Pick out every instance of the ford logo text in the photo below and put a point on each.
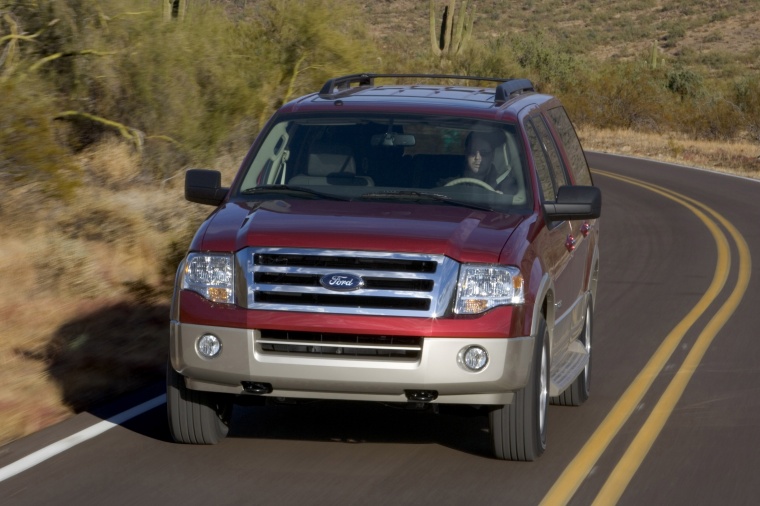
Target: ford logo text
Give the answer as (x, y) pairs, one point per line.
(341, 282)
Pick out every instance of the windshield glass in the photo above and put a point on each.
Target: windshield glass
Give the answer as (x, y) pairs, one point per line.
(421, 159)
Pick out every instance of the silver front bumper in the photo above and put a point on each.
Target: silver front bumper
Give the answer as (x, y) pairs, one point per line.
(351, 378)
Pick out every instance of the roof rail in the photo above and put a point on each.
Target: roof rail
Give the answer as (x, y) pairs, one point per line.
(511, 87)
(338, 84)
(504, 89)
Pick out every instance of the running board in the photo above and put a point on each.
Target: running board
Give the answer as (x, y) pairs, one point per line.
(572, 363)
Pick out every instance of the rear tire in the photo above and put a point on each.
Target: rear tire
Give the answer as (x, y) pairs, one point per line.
(518, 430)
(195, 417)
(577, 393)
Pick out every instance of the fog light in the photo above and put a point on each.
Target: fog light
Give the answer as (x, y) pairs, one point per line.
(473, 358)
(209, 346)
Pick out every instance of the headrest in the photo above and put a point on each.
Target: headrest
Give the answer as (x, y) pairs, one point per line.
(327, 159)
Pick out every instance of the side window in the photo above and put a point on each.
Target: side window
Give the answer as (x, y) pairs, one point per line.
(572, 145)
(550, 157)
(542, 165)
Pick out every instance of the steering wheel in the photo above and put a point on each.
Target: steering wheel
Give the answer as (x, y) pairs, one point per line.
(470, 180)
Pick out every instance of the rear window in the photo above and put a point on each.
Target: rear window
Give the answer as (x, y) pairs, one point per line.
(577, 159)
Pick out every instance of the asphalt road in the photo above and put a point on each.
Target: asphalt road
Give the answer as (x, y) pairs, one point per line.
(673, 418)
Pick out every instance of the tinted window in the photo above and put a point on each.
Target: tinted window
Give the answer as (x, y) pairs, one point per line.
(542, 165)
(551, 159)
(572, 146)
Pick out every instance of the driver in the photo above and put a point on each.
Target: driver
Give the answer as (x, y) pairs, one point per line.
(479, 153)
(479, 158)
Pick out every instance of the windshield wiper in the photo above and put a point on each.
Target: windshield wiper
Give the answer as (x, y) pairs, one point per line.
(416, 195)
(290, 190)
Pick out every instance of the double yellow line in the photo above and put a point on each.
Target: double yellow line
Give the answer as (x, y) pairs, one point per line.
(579, 468)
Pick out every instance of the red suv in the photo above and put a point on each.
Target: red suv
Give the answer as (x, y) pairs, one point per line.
(417, 244)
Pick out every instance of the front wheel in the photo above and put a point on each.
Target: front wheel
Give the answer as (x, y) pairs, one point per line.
(195, 417)
(518, 430)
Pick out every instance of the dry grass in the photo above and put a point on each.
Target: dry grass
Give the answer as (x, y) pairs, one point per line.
(739, 157)
(29, 399)
(74, 334)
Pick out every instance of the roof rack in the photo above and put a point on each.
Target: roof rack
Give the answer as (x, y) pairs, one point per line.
(512, 87)
(504, 89)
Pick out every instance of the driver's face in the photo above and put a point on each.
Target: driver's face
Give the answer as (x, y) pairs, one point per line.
(479, 155)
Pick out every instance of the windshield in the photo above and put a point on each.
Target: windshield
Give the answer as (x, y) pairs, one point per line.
(421, 159)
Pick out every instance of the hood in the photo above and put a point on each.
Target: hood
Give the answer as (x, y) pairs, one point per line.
(463, 234)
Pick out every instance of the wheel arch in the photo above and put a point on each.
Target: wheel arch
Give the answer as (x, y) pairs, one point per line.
(544, 307)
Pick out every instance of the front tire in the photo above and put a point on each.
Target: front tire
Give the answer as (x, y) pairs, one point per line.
(195, 417)
(518, 430)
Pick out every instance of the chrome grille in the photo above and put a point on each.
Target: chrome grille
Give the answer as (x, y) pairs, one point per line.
(341, 345)
(397, 284)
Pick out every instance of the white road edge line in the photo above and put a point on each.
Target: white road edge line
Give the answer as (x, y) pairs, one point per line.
(61, 446)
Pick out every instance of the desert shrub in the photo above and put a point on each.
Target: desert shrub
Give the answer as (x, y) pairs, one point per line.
(100, 221)
(746, 96)
(621, 95)
(66, 267)
(300, 52)
(723, 121)
(685, 82)
(180, 91)
(110, 163)
(494, 58)
(710, 117)
(555, 69)
(631, 95)
(720, 16)
(675, 32)
(30, 152)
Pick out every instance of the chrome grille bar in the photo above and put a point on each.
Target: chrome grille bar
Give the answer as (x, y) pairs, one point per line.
(395, 284)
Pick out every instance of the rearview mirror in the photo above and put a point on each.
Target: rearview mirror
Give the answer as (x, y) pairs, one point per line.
(390, 139)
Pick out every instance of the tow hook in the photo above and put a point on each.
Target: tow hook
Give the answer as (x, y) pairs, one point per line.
(421, 395)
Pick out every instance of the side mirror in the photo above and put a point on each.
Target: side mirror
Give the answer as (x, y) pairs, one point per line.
(575, 203)
(204, 187)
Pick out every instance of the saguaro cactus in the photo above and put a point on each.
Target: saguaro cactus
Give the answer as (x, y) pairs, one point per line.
(653, 56)
(450, 41)
(174, 9)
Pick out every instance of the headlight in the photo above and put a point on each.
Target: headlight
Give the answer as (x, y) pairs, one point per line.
(482, 287)
(211, 275)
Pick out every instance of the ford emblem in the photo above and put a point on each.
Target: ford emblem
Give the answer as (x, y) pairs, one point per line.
(341, 282)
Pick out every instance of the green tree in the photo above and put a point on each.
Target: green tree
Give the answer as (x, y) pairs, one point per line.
(181, 91)
(301, 51)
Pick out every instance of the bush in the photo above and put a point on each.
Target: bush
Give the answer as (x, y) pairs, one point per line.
(186, 89)
(624, 95)
(555, 69)
(30, 152)
(685, 82)
(746, 96)
(494, 58)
